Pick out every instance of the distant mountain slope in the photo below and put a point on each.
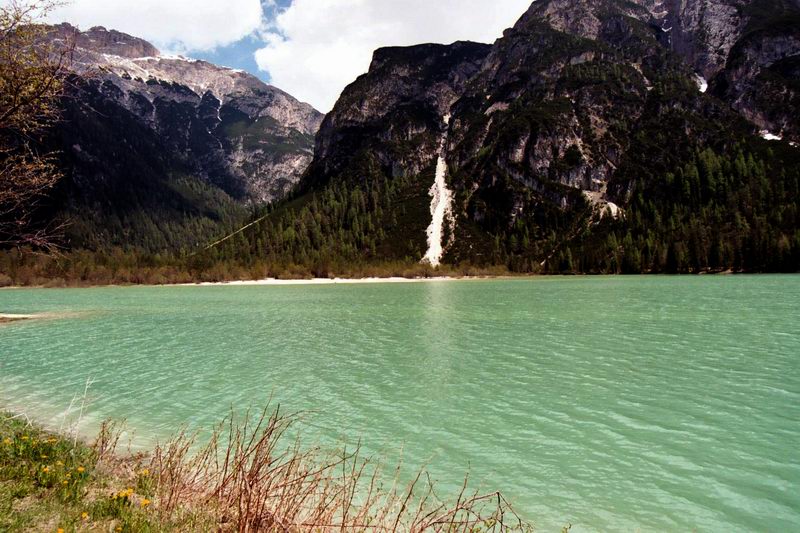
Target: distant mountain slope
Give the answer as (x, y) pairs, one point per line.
(594, 136)
(162, 152)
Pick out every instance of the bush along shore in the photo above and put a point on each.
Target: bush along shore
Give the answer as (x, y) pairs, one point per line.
(24, 268)
(249, 477)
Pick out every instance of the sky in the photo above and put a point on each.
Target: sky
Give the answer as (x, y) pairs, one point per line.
(311, 49)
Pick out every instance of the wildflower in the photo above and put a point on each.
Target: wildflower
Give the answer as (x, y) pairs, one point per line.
(84, 516)
(65, 482)
(69, 475)
(44, 456)
(45, 469)
(144, 503)
(52, 440)
(24, 437)
(145, 472)
(61, 530)
(59, 463)
(81, 470)
(7, 441)
(118, 528)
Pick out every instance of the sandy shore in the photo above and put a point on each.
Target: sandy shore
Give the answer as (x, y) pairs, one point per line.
(268, 282)
(318, 281)
(7, 317)
(13, 318)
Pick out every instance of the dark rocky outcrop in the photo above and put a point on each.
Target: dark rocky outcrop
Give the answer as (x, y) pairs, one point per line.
(394, 113)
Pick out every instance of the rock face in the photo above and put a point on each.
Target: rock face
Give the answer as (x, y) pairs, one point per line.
(748, 50)
(568, 111)
(394, 113)
(171, 119)
(702, 32)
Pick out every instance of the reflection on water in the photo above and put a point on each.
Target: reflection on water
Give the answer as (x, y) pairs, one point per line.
(438, 353)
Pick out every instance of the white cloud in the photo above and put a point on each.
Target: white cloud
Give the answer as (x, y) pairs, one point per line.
(317, 47)
(176, 25)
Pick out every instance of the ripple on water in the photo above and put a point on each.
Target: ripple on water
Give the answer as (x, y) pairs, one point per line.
(652, 404)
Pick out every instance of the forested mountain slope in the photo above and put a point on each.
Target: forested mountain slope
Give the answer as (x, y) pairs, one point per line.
(594, 136)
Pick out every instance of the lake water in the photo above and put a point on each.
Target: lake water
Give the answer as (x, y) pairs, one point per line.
(613, 403)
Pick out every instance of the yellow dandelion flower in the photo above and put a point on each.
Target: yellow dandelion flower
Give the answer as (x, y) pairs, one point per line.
(118, 529)
(81, 470)
(65, 482)
(145, 472)
(145, 502)
(24, 437)
(84, 516)
(69, 475)
(45, 469)
(6, 441)
(60, 530)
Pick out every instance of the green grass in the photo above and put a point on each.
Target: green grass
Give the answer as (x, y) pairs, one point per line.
(51, 483)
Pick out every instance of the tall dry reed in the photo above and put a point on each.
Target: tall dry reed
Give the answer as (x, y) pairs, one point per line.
(251, 477)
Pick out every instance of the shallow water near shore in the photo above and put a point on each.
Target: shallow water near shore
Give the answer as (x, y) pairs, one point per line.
(612, 403)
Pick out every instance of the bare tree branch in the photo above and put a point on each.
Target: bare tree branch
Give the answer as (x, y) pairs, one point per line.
(33, 74)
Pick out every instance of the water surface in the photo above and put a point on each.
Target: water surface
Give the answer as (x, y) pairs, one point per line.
(625, 404)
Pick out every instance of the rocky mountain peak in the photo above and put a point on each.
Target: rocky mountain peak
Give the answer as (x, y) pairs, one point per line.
(583, 18)
(743, 51)
(400, 100)
(132, 58)
(102, 41)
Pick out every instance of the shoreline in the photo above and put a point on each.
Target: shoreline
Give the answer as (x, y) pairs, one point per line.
(9, 318)
(266, 282)
(6, 318)
(319, 281)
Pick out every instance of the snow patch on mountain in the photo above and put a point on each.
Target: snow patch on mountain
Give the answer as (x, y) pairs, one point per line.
(702, 83)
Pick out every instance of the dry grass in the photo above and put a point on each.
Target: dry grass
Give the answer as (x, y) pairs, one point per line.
(253, 481)
(250, 476)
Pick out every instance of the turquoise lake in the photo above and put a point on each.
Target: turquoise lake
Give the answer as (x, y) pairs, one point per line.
(611, 403)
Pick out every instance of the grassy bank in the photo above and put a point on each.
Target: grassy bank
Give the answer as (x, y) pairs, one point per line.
(249, 477)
